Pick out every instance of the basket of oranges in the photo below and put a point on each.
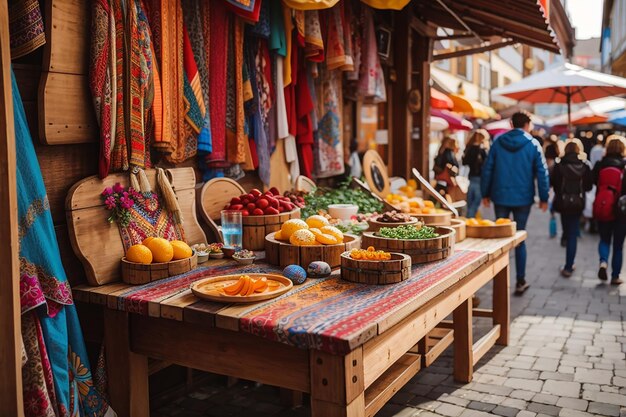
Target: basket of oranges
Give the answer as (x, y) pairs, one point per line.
(301, 242)
(157, 258)
(377, 267)
(489, 229)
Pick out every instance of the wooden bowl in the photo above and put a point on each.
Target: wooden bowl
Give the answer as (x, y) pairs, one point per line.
(207, 289)
(135, 273)
(435, 218)
(284, 253)
(420, 250)
(459, 227)
(492, 232)
(374, 226)
(255, 228)
(394, 270)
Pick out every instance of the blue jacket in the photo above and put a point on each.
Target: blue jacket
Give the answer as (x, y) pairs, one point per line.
(513, 163)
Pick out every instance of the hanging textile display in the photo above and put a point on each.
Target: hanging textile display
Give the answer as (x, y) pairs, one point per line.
(249, 10)
(387, 4)
(56, 378)
(371, 82)
(339, 39)
(235, 118)
(313, 42)
(310, 4)
(102, 80)
(26, 27)
(329, 159)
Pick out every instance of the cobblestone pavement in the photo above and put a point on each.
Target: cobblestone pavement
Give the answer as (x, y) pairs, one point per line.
(566, 355)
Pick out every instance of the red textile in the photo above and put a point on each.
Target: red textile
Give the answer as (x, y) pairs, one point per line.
(217, 79)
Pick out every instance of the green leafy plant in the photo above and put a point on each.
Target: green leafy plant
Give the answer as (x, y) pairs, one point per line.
(408, 232)
(321, 198)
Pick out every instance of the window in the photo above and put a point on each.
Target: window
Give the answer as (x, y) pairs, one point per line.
(443, 64)
(484, 74)
(464, 67)
(506, 81)
(494, 79)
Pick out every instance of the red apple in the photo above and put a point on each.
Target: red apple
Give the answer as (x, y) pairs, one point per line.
(271, 210)
(257, 212)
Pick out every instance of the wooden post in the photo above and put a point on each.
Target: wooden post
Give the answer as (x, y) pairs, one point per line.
(127, 371)
(422, 47)
(11, 401)
(501, 304)
(337, 384)
(400, 143)
(463, 342)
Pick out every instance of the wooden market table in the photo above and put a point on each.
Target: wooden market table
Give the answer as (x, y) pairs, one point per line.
(351, 346)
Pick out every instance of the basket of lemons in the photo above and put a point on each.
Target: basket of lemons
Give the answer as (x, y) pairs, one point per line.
(489, 229)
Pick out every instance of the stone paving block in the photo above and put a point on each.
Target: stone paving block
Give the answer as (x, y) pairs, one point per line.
(449, 410)
(545, 399)
(546, 364)
(481, 406)
(557, 376)
(574, 413)
(562, 388)
(515, 403)
(523, 373)
(605, 397)
(526, 413)
(523, 395)
(619, 381)
(451, 399)
(604, 409)
(593, 376)
(474, 413)
(550, 410)
(609, 388)
(505, 411)
(572, 403)
(524, 384)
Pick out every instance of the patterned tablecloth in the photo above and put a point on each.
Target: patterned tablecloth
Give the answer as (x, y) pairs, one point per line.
(325, 314)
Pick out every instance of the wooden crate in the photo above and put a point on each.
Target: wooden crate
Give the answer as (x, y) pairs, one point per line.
(135, 273)
(283, 253)
(255, 228)
(374, 226)
(394, 270)
(492, 232)
(420, 250)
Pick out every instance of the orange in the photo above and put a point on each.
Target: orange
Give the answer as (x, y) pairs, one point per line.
(291, 226)
(181, 249)
(139, 254)
(503, 221)
(332, 230)
(302, 237)
(486, 223)
(428, 203)
(326, 239)
(278, 236)
(147, 240)
(472, 222)
(317, 221)
(162, 250)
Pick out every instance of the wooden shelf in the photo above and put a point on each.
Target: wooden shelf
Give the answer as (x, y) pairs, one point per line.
(390, 382)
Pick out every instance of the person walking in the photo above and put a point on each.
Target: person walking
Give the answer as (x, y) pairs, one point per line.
(446, 165)
(608, 176)
(571, 179)
(475, 156)
(514, 162)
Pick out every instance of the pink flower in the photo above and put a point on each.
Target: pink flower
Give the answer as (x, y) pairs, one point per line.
(107, 192)
(110, 202)
(126, 202)
(117, 188)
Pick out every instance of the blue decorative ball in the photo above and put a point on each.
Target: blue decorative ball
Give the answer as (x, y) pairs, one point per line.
(318, 269)
(295, 273)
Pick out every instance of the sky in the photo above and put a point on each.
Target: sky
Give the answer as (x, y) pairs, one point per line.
(586, 17)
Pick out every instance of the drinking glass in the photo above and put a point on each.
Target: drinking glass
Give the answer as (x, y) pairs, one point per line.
(232, 230)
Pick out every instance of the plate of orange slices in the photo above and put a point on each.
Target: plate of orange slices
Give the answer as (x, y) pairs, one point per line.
(241, 288)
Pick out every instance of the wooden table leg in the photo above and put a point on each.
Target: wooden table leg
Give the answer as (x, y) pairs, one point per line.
(337, 388)
(127, 371)
(463, 342)
(501, 304)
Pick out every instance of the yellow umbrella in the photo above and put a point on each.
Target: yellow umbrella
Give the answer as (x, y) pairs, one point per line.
(471, 108)
(387, 4)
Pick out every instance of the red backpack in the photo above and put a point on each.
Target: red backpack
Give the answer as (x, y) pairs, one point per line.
(609, 188)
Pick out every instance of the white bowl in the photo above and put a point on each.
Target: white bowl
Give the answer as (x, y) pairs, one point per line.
(343, 211)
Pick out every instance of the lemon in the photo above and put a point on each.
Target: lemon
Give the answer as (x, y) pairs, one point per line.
(291, 226)
(503, 221)
(317, 221)
(302, 237)
(139, 254)
(162, 250)
(181, 249)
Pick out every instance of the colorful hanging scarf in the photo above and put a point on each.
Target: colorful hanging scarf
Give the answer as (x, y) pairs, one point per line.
(56, 378)
(235, 118)
(278, 41)
(339, 41)
(371, 79)
(101, 79)
(262, 27)
(217, 81)
(25, 27)
(119, 152)
(249, 10)
(310, 4)
(313, 43)
(328, 137)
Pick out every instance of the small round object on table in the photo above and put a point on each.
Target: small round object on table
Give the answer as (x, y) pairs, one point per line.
(295, 273)
(318, 269)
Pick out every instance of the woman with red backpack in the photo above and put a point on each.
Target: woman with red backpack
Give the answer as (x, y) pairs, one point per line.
(571, 179)
(608, 176)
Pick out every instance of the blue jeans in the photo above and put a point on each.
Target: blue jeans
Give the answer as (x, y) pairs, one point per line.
(473, 196)
(615, 231)
(571, 227)
(520, 216)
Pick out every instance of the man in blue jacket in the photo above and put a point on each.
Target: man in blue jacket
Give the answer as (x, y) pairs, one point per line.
(508, 179)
